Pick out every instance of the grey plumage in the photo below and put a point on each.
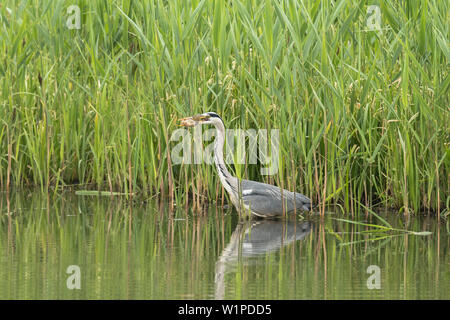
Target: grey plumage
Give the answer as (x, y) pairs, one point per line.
(266, 200)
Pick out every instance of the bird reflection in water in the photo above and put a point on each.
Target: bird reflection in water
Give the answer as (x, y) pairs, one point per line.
(252, 239)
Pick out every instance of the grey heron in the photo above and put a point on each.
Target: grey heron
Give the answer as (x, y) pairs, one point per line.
(261, 199)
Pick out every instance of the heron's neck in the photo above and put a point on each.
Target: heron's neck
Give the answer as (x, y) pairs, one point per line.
(225, 176)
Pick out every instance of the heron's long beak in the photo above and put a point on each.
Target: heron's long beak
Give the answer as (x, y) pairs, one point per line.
(193, 121)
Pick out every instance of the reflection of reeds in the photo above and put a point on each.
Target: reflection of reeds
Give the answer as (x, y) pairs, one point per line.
(361, 113)
(181, 258)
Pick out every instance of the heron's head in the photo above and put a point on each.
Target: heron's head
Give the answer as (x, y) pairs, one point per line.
(204, 118)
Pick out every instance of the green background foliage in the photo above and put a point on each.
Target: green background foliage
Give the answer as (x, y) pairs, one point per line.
(363, 114)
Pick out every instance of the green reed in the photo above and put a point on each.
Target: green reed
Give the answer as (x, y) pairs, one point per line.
(362, 114)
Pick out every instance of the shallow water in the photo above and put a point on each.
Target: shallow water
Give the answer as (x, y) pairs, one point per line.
(142, 251)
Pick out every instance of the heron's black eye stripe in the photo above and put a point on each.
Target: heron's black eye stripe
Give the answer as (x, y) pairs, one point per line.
(214, 115)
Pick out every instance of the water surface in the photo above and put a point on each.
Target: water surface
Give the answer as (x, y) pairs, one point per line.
(144, 251)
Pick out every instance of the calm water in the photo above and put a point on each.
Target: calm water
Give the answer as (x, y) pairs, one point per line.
(144, 252)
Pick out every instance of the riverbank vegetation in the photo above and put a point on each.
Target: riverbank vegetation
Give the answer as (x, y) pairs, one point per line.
(358, 91)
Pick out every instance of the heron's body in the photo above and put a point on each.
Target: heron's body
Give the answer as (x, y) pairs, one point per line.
(261, 199)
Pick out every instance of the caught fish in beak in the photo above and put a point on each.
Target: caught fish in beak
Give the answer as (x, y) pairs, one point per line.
(188, 122)
(194, 120)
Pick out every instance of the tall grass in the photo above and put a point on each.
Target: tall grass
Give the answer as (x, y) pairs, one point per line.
(363, 115)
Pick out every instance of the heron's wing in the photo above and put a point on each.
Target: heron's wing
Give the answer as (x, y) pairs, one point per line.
(262, 202)
(265, 199)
